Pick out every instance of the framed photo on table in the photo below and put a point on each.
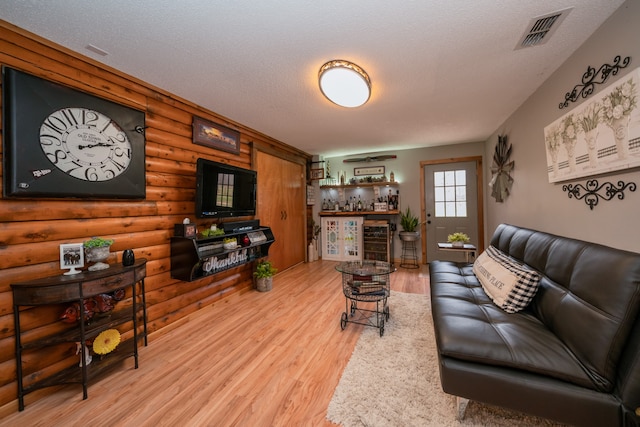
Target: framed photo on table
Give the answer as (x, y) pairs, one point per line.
(216, 136)
(71, 257)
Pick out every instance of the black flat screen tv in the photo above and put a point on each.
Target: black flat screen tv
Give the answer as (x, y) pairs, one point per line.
(224, 191)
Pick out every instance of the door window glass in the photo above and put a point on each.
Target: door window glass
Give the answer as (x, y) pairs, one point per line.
(450, 193)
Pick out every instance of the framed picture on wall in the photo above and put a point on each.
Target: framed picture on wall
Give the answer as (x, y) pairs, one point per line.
(317, 173)
(216, 136)
(61, 142)
(371, 170)
(598, 136)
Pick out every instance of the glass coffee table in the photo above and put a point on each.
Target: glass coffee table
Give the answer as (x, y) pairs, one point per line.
(366, 287)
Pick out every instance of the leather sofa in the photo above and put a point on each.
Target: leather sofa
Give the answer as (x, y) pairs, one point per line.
(572, 355)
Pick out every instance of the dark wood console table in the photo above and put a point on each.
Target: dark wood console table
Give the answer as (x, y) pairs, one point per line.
(76, 288)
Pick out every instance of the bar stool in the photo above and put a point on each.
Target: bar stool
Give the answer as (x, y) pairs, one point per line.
(409, 255)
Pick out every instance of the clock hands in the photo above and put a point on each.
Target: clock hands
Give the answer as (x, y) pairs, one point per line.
(100, 144)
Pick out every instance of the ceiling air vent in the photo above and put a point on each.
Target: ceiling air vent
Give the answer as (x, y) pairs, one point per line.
(541, 28)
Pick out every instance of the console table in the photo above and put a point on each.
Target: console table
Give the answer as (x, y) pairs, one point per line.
(466, 248)
(75, 288)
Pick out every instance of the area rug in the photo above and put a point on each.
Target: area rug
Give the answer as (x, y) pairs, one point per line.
(393, 380)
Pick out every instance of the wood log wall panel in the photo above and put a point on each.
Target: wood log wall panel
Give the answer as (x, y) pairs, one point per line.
(31, 230)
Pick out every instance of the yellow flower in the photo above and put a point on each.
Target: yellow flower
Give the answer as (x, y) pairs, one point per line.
(106, 341)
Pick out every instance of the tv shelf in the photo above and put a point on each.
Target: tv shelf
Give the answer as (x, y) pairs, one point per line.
(193, 258)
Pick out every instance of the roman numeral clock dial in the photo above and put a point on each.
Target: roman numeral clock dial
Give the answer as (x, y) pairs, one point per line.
(85, 144)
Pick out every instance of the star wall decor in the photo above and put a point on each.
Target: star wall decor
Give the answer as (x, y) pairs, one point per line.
(501, 181)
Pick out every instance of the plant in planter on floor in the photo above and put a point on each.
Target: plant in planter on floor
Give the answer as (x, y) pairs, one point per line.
(458, 239)
(409, 223)
(264, 275)
(96, 250)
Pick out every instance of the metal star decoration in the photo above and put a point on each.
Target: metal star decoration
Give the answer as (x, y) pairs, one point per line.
(501, 169)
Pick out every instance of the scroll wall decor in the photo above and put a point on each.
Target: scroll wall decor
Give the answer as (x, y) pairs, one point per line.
(592, 191)
(599, 136)
(593, 77)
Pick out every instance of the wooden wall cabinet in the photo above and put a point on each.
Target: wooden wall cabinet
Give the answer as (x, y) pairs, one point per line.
(76, 288)
(282, 205)
(192, 259)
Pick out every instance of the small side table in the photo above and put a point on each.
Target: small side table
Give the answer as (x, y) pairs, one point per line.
(466, 248)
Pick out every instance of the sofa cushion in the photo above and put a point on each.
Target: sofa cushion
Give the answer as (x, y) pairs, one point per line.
(510, 284)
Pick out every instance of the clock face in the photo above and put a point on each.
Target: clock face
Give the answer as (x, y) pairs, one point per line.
(85, 144)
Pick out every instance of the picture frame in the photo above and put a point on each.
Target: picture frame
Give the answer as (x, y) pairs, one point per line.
(369, 170)
(599, 136)
(214, 135)
(71, 257)
(317, 173)
(39, 114)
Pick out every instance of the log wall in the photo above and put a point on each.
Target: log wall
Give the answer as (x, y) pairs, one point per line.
(32, 230)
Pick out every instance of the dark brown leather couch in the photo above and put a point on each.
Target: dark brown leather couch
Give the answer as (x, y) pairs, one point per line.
(573, 355)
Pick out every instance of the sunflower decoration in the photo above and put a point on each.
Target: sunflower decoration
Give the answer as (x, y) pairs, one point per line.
(106, 341)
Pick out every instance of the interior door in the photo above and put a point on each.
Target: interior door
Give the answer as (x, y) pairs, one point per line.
(281, 206)
(451, 205)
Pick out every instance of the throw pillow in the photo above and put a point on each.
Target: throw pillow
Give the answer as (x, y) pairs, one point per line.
(510, 284)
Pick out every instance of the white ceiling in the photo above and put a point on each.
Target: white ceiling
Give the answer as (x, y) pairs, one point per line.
(443, 72)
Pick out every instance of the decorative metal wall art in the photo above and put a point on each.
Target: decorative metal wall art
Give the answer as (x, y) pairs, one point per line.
(602, 135)
(592, 191)
(501, 181)
(593, 77)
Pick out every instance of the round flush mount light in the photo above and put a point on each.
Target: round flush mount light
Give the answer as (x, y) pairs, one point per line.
(344, 83)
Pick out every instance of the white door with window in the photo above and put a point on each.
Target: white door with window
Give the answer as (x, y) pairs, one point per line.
(451, 205)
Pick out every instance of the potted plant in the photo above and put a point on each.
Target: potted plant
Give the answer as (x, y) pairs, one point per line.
(97, 250)
(458, 240)
(264, 275)
(409, 223)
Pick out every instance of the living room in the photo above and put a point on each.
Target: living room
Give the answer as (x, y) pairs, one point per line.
(33, 229)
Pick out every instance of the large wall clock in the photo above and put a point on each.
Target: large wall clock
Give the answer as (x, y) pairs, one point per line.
(60, 142)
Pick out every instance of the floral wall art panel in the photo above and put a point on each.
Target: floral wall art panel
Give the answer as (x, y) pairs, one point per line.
(599, 136)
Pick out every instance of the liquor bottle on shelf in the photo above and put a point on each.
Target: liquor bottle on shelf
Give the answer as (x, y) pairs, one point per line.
(359, 204)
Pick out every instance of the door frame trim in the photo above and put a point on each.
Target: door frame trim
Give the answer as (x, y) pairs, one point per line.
(480, 201)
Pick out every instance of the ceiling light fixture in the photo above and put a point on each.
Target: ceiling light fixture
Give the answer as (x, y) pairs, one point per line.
(344, 83)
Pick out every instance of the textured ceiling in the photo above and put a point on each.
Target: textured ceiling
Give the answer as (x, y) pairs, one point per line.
(443, 72)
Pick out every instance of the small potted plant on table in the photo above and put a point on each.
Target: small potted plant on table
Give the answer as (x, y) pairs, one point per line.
(97, 250)
(264, 275)
(458, 240)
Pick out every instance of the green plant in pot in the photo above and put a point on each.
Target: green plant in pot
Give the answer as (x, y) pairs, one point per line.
(458, 239)
(409, 223)
(96, 250)
(264, 275)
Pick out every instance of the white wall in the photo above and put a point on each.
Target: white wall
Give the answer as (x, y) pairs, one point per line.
(536, 203)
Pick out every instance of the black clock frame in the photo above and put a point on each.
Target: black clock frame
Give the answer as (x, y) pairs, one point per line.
(27, 101)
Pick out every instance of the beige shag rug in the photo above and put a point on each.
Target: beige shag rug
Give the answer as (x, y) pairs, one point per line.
(393, 380)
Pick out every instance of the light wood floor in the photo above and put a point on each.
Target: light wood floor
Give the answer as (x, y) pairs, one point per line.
(256, 359)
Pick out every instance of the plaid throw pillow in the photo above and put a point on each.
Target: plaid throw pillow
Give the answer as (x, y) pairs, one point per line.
(510, 284)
